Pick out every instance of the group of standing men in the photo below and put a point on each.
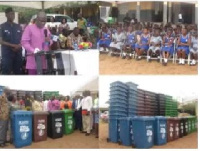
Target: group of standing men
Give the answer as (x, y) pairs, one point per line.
(86, 111)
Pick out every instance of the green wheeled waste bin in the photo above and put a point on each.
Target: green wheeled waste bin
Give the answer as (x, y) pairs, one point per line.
(190, 118)
(69, 121)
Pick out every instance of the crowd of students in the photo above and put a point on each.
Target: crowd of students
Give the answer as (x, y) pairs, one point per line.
(150, 39)
(86, 111)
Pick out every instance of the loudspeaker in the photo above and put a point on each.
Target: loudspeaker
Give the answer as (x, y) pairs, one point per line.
(115, 12)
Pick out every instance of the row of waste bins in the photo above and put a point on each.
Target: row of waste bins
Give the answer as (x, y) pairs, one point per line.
(30, 126)
(144, 131)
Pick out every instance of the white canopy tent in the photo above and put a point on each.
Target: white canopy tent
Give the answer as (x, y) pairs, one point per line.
(43, 4)
(92, 86)
(127, 1)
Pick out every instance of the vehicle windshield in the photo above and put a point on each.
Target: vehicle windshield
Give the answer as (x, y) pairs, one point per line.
(59, 18)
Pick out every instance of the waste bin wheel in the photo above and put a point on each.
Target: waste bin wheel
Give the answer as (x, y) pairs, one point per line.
(119, 142)
(108, 140)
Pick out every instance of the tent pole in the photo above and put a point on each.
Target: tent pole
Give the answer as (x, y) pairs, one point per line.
(42, 5)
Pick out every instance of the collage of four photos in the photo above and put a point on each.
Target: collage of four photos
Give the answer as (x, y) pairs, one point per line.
(99, 74)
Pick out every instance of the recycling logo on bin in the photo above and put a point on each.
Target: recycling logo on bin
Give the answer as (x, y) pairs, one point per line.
(186, 127)
(118, 128)
(171, 131)
(70, 122)
(58, 125)
(24, 129)
(181, 127)
(162, 132)
(41, 128)
(177, 129)
(131, 132)
(149, 135)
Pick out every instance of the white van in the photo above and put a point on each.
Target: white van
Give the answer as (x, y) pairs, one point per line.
(57, 20)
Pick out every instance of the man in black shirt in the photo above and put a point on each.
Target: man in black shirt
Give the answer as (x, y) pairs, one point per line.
(127, 20)
(10, 37)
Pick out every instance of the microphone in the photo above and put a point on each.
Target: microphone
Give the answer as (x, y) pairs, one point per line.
(45, 45)
(45, 33)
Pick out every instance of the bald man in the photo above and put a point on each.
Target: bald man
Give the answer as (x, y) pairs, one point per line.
(36, 37)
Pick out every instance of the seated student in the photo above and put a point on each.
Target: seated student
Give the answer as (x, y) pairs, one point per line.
(63, 39)
(183, 46)
(74, 39)
(168, 46)
(194, 48)
(105, 39)
(142, 44)
(155, 44)
(118, 39)
(129, 43)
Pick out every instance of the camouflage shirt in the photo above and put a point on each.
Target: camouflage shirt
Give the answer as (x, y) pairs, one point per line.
(4, 108)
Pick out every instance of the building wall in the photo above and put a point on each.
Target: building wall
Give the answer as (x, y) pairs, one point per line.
(146, 10)
(153, 11)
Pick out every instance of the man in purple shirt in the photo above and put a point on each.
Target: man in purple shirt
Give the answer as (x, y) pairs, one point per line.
(36, 37)
(53, 104)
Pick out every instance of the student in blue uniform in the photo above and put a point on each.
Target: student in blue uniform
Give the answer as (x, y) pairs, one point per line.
(168, 45)
(10, 37)
(142, 44)
(129, 43)
(105, 39)
(194, 48)
(183, 46)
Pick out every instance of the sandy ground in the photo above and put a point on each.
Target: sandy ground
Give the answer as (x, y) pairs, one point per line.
(116, 65)
(186, 142)
(74, 140)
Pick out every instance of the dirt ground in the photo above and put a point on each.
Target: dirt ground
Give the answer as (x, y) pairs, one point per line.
(116, 65)
(186, 142)
(75, 140)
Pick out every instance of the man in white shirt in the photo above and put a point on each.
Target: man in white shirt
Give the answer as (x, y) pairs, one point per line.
(45, 105)
(86, 105)
(180, 17)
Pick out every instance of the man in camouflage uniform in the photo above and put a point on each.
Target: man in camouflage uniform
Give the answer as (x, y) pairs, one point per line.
(4, 118)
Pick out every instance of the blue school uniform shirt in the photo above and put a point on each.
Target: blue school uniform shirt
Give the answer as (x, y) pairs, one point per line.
(130, 38)
(167, 40)
(184, 39)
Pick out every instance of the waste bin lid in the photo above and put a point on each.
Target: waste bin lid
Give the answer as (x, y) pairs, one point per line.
(113, 118)
(55, 112)
(126, 118)
(160, 117)
(40, 112)
(68, 111)
(20, 112)
(170, 118)
(143, 118)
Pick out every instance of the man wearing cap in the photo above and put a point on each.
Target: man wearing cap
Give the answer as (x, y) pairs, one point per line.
(10, 37)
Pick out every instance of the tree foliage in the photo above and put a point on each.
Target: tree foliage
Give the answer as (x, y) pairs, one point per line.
(188, 108)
